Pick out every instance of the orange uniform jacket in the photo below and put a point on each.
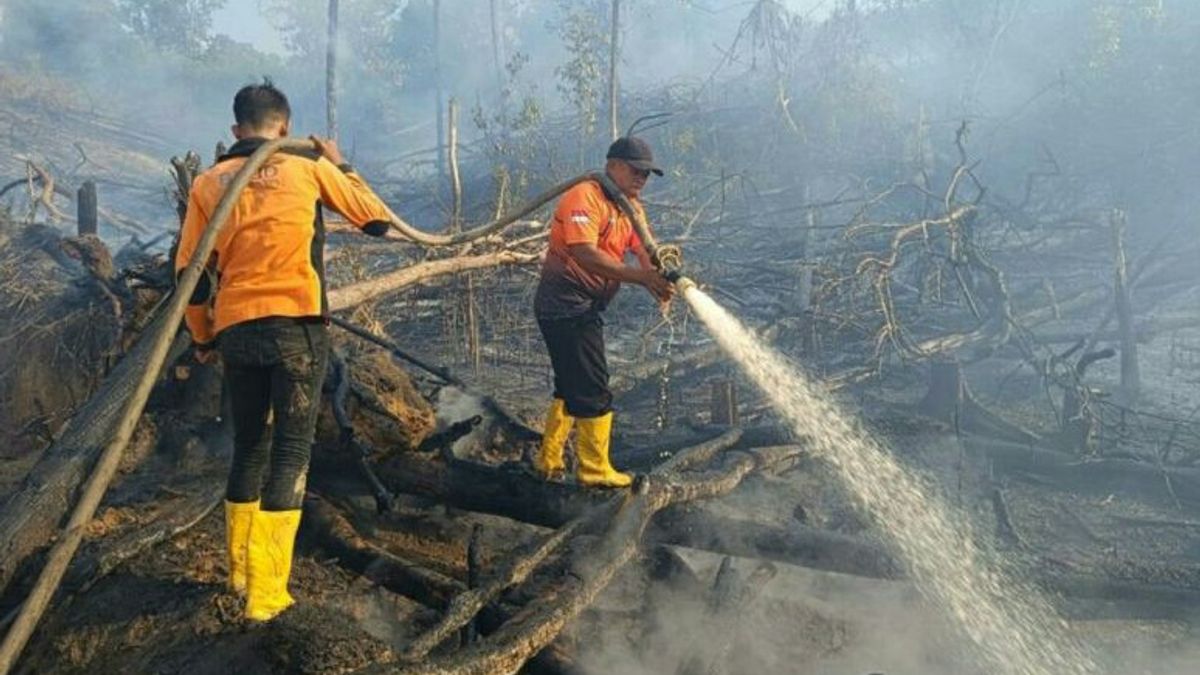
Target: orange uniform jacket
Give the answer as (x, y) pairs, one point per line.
(585, 215)
(268, 258)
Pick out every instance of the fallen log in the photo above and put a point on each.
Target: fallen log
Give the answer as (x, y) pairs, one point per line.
(694, 359)
(796, 544)
(178, 515)
(1093, 598)
(466, 606)
(511, 489)
(730, 594)
(513, 492)
(699, 454)
(353, 295)
(518, 640)
(1170, 485)
(508, 490)
(329, 530)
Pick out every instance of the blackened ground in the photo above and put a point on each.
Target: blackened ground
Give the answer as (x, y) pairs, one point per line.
(167, 612)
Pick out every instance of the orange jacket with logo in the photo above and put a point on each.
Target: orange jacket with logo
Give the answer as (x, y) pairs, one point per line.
(268, 258)
(585, 215)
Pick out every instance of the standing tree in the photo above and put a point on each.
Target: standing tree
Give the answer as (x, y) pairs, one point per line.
(437, 85)
(613, 54)
(331, 72)
(497, 47)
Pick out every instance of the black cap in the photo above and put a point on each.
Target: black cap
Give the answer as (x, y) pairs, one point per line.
(635, 151)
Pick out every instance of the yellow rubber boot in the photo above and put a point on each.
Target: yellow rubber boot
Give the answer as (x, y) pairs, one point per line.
(272, 538)
(549, 460)
(237, 538)
(594, 467)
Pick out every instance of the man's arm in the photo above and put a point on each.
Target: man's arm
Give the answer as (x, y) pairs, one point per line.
(196, 315)
(345, 192)
(593, 261)
(643, 258)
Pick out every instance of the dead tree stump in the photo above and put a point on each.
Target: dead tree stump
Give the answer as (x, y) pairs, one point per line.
(944, 400)
(949, 400)
(724, 403)
(88, 216)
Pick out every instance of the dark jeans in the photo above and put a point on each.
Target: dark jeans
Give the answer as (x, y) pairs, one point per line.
(576, 346)
(273, 365)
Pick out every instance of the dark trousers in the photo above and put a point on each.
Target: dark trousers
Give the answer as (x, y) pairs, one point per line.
(576, 346)
(274, 365)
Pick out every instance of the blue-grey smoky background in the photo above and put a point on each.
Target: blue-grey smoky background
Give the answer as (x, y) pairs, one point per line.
(1098, 94)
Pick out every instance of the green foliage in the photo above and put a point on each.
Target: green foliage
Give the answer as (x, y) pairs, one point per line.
(584, 31)
(184, 26)
(511, 132)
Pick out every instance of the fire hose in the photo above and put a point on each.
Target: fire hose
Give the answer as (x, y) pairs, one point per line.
(666, 257)
(160, 339)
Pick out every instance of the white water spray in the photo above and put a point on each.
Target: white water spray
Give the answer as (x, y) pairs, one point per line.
(1011, 624)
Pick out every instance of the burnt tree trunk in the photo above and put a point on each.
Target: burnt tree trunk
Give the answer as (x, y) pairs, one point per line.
(515, 493)
(1130, 374)
(724, 402)
(796, 544)
(88, 216)
(949, 400)
(944, 399)
(730, 594)
(614, 53)
(497, 48)
(437, 85)
(331, 120)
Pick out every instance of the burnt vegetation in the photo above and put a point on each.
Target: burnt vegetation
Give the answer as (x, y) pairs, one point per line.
(972, 220)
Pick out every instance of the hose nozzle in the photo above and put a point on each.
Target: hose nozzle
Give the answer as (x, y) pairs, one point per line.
(669, 261)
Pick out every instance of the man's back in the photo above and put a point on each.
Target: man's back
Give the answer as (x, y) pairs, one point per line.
(268, 257)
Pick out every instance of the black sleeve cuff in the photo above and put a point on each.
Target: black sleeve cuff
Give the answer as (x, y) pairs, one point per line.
(376, 228)
(346, 167)
(204, 287)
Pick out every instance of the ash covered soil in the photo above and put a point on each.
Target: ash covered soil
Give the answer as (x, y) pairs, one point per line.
(165, 609)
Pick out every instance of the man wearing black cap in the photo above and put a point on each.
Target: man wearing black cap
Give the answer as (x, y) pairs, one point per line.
(584, 267)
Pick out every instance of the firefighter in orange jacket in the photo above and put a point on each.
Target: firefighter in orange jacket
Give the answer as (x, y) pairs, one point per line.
(264, 310)
(584, 267)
